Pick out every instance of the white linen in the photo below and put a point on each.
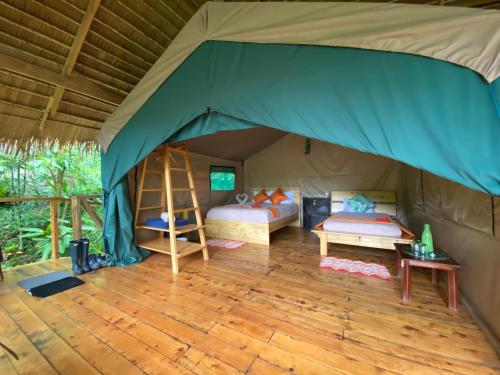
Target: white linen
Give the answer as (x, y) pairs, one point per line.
(363, 228)
(247, 214)
(463, 36)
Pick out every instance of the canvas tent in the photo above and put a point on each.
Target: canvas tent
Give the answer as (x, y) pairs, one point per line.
(418, 85)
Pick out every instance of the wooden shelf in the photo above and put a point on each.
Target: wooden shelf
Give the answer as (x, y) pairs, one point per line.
(162, 245)
(178, 230)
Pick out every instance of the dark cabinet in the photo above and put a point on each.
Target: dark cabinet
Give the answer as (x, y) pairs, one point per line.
(315, 210)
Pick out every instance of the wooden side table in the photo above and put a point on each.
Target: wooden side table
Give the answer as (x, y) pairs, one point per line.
(407, 261)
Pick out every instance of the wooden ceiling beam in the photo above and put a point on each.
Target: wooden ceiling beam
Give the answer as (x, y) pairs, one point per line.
(46, 112)
(76, 47)
(76, 82)
(22, 106)
(4, 117)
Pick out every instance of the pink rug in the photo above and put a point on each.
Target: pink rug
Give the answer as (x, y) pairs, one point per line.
(356, 267)
(225, 244)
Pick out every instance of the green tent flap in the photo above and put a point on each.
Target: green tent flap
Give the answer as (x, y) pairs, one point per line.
(427, 113)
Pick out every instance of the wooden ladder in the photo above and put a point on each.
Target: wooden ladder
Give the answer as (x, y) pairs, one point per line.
(175, 248)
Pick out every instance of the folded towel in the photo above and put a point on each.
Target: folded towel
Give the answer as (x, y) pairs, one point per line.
(164, 217)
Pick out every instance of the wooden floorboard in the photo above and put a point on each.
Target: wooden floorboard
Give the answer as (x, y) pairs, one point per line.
(253, 310)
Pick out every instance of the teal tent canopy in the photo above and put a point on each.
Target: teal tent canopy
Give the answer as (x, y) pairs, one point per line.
(427, 113)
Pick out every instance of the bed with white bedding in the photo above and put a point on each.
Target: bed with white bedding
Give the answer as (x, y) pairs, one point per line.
(360, 223)
(376, 229)
(251, 222)
(250, 213)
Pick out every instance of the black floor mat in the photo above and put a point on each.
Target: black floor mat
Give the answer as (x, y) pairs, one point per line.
(55, 287)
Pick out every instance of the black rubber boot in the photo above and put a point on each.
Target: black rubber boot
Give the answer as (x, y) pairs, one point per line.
(85, 245)
(93, 262)
(102, 260)
(76, 261)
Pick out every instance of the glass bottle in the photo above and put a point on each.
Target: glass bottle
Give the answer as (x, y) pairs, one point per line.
(427, 238)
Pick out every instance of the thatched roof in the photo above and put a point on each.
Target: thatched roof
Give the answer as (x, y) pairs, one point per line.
(67, 64)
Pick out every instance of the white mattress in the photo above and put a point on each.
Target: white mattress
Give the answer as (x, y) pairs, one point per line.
(390, 230)
(247, 214)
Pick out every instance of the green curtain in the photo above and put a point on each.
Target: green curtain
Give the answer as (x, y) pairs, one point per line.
(118, 230)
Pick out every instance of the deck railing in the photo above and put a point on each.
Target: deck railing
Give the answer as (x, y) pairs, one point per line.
(77, 203)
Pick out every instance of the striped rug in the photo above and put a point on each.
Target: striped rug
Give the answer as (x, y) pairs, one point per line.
(225, 244)
(356, 267)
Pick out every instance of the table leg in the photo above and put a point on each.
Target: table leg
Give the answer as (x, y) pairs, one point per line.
(398, 264)
(435, 276)
(406, 282)
(452, 290)
(323, 245)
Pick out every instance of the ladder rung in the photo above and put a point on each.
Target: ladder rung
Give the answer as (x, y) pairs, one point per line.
(182, 189)
(157, 171)
(174, 169)
(178, 230)
(149, 190)
(186, 209)
(150, 208)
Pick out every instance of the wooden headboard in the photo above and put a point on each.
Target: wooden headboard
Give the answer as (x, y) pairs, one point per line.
(385, 200)
(297, 198)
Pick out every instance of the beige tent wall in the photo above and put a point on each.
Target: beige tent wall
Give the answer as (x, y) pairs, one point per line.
(328, 167)
(463, 224)
(200, 165)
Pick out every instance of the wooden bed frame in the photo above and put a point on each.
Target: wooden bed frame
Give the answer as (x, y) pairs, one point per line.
(256, 233)
(385, 202)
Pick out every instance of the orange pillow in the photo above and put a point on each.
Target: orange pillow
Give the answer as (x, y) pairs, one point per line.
(260, 197)
(278, 196)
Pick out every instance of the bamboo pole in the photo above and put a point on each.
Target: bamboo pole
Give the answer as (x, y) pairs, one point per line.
(54, 228)
(76, 217)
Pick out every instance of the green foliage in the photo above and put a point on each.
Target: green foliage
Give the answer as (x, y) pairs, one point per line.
(25, 234)
(222, 181)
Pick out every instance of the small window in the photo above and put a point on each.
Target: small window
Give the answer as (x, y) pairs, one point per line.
(222, 178)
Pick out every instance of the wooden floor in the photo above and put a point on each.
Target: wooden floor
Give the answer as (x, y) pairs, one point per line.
(251, 310)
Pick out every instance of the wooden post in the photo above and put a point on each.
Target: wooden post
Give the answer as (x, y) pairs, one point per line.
(77, 217)
(54, 228)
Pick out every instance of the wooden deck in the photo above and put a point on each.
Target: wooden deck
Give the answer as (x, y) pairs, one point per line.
(249, 310)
